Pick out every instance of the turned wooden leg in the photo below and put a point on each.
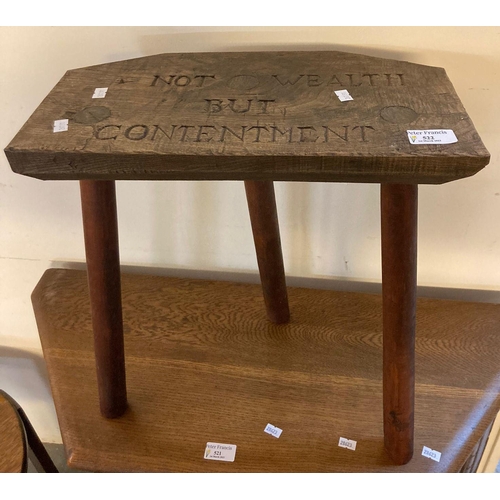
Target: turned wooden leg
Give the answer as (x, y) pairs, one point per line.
(399, 284)
(266, 235)
(103, 268)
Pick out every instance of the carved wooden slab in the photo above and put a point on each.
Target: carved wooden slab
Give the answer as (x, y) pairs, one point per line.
(257, 115)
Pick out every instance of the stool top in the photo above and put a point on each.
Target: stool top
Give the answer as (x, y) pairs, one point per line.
(13, 453)
(252, 115)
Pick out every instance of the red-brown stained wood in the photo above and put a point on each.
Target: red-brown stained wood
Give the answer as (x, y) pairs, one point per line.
(399, 290)
(204, 364)
(250, 115)
(100, 227)
(266, 234)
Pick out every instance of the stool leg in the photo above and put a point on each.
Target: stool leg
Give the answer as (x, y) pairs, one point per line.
(399, 284)
(266, 235)
(100, 228)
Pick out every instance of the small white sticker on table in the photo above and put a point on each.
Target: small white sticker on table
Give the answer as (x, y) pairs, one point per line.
(274, 431)
(432, 454)
(60, 125)
(100, 93)
(434, 136)
(343, 95)
(347, 443)
(220, 451)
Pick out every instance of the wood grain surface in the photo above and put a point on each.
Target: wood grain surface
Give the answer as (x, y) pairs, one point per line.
(13, 451)
(250, 116)
(205, 365)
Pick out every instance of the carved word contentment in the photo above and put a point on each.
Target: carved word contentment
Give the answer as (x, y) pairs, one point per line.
(242, 133)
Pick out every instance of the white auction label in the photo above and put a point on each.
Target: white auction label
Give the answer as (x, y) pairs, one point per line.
(220, 451)
(100, 93)
(274, 431)
(432, 454)
(60, 125)
(343, 95)
(347, 443)
(445, 136)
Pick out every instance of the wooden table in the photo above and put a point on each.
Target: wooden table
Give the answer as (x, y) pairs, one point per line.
(13, 454)
(19, 440)
(257, 117)
(205, 365)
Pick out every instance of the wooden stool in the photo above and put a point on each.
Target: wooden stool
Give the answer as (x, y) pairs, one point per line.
(18, 440)
(257, 117)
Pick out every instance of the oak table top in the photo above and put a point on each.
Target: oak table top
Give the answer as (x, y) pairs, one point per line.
(205, 365)
(13, 451)
(250, 115)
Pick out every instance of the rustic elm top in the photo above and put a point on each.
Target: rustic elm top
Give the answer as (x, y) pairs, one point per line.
(253, 115)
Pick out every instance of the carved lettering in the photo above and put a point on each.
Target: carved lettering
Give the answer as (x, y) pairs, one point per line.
(351, 83)
(306, 137)
(180, 80)
(202, 133)
(237, 105)
(158, 77)
(343, 79)
(202, 79)
(313, 80)
(227, 129)
(392, 78)
(328, 130)
(213, 105)
(222, 133)
(362, 128)
(185, 131)
(335, 81)
(158, 128)
(244, 110)
(137, 137)
(184, 79)
(264, 103)
(258, 128)
(288, 81)
(370, 76)
(287, 131)
(98, 131)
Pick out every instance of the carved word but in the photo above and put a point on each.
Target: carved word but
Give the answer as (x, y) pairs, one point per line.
(242, 133)
(343, 79)
(237, 105)
(181, 80)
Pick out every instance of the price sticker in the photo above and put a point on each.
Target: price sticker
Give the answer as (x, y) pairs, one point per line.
(444, 136)
(100, 93)
(60, 126)
(432, 454)
(220, 451)
(274, 431)
(347, 443)
(343, 95)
